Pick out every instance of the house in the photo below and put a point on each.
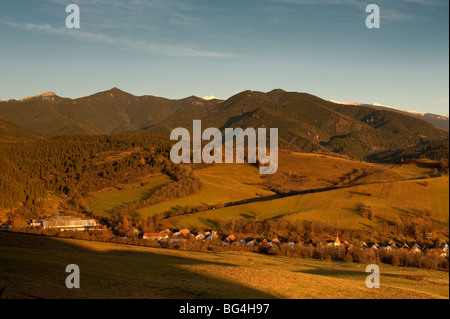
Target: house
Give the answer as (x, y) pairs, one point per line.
(405, 246)
(185, 232)
(275, 241)
(231, 238)
(265, 244)
(63, 223)
(444, 248)
(392, 245)
(291, 245)
(375, 247)
(345, 243)
(241, 243)
(168, 232)
(200, 236)
(35, 223)
(363, 245)
(213, 234)
(154, 236)
(337, 242)
(251, 243)
(416, 248)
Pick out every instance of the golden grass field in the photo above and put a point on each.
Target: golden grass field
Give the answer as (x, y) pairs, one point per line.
(221, 183)
(34, 267)
(338, 207)
(391, 189)
(318, 171)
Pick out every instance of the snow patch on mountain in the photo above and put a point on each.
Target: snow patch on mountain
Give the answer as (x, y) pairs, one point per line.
(211, 97)
(394, 108)
(346, 103)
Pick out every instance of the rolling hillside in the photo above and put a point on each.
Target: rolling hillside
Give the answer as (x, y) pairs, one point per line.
(110, 199)
(221, 183)
(301, 191)
(33, 267)
(339, 207)
(10, 132)
(326, 179)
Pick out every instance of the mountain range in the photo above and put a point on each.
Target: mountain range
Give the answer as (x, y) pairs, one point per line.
(440, 121)
(306, 122)
(108, 112)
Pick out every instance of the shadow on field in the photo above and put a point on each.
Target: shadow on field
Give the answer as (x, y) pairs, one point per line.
(212, 223)
(335, 273)
(34, 267)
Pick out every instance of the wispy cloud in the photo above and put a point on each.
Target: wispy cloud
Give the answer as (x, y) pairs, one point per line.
(395, 10)
(148, 46)
(171, 28)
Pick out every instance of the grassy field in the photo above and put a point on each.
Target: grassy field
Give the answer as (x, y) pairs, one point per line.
(390, 189)
(301, 171)
(109, 199)
(34, 267)
(339, 207)
(225, 183)
(221, 183)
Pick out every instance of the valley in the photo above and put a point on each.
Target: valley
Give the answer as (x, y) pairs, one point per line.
(344, 171)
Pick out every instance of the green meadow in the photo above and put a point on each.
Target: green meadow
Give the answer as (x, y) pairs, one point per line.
(338, 207)
(340, 186)
(109, 199)
(221, 183)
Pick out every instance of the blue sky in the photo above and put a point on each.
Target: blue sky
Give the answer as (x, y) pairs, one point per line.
(179, 48)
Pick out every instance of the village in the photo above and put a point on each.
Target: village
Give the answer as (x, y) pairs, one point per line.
(339, 249)
(184, 235)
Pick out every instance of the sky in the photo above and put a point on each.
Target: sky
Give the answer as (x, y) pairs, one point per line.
(179, 48)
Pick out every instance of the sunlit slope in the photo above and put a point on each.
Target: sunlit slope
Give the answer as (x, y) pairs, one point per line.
(227, 183)
(303, 171)
(33, 267)
(221, 183)
(109, 199)
(339, 207)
